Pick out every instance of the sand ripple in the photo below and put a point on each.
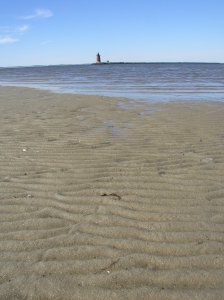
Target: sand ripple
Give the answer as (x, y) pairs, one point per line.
(110, 203)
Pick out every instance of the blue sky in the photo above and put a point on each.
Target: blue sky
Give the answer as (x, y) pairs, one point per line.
(72, 31)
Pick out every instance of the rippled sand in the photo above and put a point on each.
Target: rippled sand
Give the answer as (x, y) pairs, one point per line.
(106, 199)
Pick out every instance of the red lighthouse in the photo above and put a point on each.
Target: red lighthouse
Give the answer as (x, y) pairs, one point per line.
(98, 60)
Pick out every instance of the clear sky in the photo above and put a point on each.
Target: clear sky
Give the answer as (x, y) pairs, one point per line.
(42, 32)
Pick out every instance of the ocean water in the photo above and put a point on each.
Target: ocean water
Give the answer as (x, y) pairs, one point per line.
(149, 82)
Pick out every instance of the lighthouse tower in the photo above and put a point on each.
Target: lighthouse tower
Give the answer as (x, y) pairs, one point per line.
(98, 60)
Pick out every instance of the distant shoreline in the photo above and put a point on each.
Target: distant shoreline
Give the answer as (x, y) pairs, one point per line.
(113, 63)
(138, 63)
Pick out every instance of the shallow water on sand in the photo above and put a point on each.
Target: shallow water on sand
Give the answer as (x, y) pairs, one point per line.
(149, 82)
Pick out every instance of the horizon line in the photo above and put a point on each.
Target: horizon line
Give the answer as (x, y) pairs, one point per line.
(112, 63)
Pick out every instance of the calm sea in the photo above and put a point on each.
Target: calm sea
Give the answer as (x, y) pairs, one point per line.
(150, 82)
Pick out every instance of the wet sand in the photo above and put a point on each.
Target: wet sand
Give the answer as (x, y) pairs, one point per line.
(102, 198)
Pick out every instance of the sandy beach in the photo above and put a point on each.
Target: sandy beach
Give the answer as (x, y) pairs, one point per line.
(107, 198)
